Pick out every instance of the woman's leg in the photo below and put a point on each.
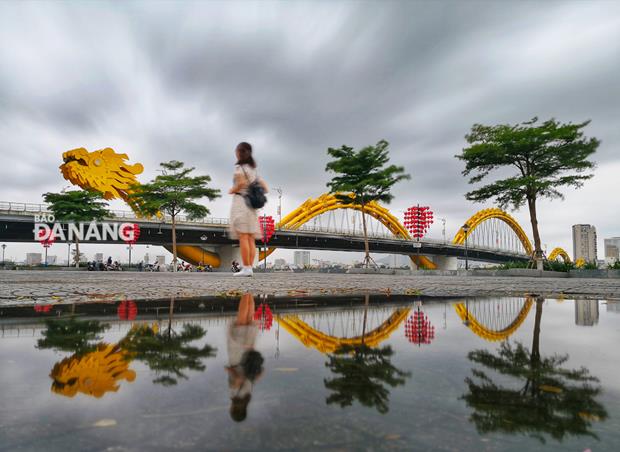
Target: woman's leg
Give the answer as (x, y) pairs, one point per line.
(244, 249)
(252, 248)
(245, 315)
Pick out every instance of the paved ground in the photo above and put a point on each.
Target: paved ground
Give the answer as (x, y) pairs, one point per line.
(28, 287)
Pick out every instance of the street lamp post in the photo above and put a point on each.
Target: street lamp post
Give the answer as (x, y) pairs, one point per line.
(203, 238)
(69, 255)
(3, 248)
(466, 229)
(279, 191)
(129, 248)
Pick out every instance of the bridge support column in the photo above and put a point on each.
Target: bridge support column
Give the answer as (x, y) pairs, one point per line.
(228, 253)
(445, 262)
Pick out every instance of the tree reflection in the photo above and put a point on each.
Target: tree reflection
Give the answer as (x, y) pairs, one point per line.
(365, 374)
(169, 354)
(72, 335)
(550, 398)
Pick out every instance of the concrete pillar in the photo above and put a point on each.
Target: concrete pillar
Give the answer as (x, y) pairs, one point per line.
(228, 253)
(445, 262)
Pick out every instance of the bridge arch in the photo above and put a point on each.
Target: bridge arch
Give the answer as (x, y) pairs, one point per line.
(488, 333)
(559, 252)
(312, 208)
(487, 214)
(326, 343)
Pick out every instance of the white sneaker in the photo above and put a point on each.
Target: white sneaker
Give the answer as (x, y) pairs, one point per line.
(245, 271)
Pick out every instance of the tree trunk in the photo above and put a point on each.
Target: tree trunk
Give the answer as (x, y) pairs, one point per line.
(531, 204)
(170, 315)
(174, 244)
(535, 356)
(366, 247)
(77, 253)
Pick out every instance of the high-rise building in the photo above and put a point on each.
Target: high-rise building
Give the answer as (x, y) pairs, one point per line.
(584, 242)
(33, 259)
(612, 249)
(586, 312)
(301, 258)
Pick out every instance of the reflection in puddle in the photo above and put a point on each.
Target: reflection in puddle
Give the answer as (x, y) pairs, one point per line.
(545, 397)
(300, 370)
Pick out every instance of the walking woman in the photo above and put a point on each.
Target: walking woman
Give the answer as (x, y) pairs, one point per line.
(243, 218)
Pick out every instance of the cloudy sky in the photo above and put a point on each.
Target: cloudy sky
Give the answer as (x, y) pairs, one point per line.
(189, 80)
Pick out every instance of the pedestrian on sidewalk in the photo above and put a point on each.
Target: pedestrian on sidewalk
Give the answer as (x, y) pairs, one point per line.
(247, 185)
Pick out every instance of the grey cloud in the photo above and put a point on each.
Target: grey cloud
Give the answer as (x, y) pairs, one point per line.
(188, 80)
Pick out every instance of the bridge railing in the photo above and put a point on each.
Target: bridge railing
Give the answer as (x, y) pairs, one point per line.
(29, 209)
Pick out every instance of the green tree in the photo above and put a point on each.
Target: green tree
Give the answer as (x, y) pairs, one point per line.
(168, 353)
(77, 206)
(362, 177)
(174, 192)
(546, 397)
(72, 335)
(544, 156)
(364, 374)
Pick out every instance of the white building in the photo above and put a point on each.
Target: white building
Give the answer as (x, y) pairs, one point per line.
(52, 260)
(612, 250)
(279, 263)
(301, 258)
(33, 259)
(98, 257)
(586, 312)
(161, 260)
(584, 242)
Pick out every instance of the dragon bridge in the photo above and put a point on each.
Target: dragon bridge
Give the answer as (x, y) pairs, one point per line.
(108, 172)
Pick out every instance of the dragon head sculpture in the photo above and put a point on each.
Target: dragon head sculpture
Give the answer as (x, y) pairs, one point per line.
(92, 374)
(104, 171)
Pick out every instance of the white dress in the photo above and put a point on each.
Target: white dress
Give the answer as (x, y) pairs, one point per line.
(243, 219)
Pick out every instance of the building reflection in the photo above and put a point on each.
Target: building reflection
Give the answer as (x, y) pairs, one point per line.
(545, 398)
(586, 312)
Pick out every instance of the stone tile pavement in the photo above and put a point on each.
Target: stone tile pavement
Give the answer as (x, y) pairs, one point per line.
(31, 287)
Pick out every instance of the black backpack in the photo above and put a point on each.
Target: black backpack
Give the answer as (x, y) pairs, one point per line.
(255, 193)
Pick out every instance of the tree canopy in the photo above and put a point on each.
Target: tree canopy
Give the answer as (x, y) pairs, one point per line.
(77, 205)
(363, 173)
(174, 191)
(532, 160)
(364, 374)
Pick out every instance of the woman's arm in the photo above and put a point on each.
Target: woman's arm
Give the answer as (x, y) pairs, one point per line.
(239, 183)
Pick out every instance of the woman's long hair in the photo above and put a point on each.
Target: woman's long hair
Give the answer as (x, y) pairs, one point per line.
(245, 154)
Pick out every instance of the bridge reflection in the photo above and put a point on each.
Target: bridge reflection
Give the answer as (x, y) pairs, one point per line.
(494, 320)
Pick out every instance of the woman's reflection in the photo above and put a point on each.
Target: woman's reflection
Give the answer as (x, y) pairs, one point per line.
(245, 365)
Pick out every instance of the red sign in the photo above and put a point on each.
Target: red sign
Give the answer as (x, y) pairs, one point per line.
(418, 329)
(418, 220)
(130, 232)
(46, 240)
(264, 317)
(127, 310)
(267, 227)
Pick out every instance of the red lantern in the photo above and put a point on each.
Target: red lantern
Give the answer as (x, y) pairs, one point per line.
(264, 317)
(418, 220)
(267, 227)
(42, 308)
(418, 329)
(127, 310)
